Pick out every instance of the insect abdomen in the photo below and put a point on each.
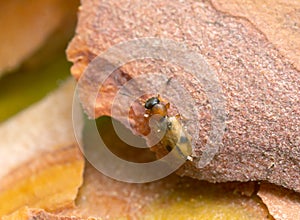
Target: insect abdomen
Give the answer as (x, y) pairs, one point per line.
(177, 139)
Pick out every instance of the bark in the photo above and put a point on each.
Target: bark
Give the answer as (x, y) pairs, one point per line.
(281, 203)
(261, 86)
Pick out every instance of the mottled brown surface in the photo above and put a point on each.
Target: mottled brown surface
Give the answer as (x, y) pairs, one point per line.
(282, 204)
(278, 20)
(261, 86)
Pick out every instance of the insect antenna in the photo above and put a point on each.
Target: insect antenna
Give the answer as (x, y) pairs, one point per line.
(163, 89)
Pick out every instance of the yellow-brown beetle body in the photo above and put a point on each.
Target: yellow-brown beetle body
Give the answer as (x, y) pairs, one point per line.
(175, 139)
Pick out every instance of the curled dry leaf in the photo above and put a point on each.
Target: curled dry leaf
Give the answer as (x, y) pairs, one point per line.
(261, 87)
(39, 214)
(42, 165)
(51, 183)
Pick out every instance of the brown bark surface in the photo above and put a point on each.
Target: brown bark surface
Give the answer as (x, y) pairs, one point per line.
(260, 82)
(278, 20)
(281, 203)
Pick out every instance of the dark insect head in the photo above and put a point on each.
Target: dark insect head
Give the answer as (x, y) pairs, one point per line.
(154, 107)
(150, 103)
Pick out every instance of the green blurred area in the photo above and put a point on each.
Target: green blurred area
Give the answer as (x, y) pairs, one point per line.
(44, 70)
(31, 83)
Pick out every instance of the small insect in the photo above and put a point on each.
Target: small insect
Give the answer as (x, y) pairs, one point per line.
(175, 137)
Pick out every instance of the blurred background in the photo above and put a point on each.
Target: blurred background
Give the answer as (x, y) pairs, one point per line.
(33, 40)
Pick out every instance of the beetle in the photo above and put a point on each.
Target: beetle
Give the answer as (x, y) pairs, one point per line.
(175, 137)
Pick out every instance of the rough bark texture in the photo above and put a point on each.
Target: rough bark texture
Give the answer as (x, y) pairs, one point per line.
(282, 203)
(260, 84)
(278, 20)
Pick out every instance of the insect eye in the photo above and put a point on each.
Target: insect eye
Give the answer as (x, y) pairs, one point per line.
(151, 102)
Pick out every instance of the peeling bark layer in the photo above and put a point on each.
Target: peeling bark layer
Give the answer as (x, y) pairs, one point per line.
(261, 86)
